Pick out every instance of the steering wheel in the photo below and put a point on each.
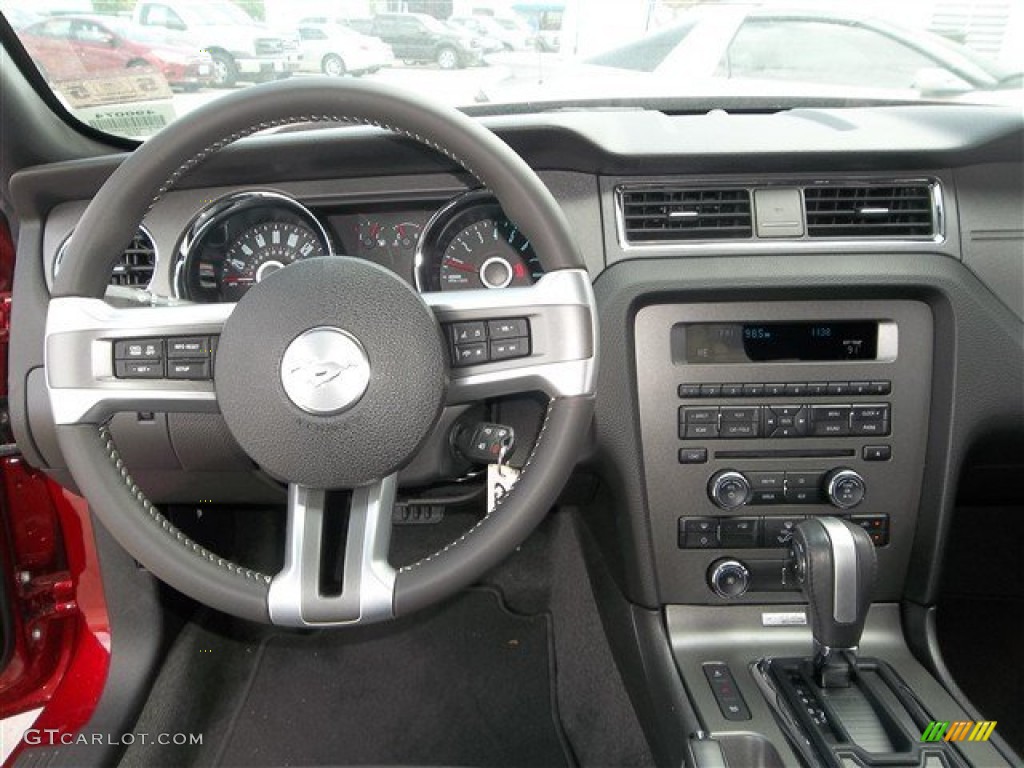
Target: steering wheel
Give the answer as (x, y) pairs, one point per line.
(329, 374)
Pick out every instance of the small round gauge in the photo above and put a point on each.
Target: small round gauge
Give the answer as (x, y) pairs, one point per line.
(473, 245)
(404, 237)
(262, 250)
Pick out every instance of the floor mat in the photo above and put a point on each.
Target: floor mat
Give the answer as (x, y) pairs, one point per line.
(982, 644)
(469, 684)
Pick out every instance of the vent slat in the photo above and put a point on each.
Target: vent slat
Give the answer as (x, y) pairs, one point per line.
(674, 214)
(883, 210)
(135, 267)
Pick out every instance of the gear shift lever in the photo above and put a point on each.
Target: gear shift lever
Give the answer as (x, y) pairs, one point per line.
(835, 567)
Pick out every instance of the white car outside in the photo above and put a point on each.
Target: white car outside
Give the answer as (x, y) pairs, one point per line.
(336, 50)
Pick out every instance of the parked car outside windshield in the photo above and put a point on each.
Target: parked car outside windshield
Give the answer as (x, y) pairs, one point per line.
(515, 55)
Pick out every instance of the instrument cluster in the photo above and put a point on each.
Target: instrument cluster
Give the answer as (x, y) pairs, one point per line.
(464, 243)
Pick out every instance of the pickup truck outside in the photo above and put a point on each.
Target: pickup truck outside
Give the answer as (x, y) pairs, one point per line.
(241, 48)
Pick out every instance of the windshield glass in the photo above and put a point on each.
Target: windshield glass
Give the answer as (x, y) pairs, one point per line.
(168, 57)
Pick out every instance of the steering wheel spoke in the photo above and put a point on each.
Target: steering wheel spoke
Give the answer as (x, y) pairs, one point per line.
(556, 356)
(296, 596)
(115, 359)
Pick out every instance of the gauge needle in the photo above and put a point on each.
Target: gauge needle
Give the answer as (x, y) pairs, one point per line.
(458, 265)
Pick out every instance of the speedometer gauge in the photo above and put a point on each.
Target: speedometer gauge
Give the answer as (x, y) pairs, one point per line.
(242, 239)
(471, 244)
(262, 250)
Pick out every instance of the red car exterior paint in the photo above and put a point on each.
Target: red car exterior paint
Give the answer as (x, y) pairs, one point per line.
(61, 634)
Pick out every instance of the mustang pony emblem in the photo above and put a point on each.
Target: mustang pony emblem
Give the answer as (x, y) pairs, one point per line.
(321, 372)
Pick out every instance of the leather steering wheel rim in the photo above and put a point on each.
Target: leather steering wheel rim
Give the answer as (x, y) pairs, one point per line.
(152, 170)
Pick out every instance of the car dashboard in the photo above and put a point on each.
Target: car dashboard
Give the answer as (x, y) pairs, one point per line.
(803, 312)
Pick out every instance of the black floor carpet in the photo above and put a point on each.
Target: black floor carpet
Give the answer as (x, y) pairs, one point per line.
(468, 684)
(982, 643)
(524, 679)
(980, 616)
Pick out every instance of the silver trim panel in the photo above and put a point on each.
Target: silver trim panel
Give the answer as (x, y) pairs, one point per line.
(367, 596)
(800, 244)
(80, 378)
(844, 570)
(562, 313)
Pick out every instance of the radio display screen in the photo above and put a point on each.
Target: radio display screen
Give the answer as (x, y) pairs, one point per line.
(774, 342)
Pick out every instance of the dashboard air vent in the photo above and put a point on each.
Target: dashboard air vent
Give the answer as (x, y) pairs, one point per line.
(137, 263)
(871, 210)
(135, 267)
(673, 214)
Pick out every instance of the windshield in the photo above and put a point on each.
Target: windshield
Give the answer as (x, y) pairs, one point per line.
(172, 56)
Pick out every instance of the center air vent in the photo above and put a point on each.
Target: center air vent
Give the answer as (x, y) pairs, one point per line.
(875, 210)
(674, 214)
(135, 267)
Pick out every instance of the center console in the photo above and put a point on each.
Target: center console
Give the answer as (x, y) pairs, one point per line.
(756, 416)
(783, 447)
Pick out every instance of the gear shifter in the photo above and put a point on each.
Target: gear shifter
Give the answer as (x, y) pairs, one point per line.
(834, 562)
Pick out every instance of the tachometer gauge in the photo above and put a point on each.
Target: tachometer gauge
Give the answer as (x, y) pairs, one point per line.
(471, 244)
(262, 250)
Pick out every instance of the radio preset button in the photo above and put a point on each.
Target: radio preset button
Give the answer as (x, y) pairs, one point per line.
(732, 390)
(710, 390)
(753, 390)
(838, 388)
(775, 390)
(689, 390)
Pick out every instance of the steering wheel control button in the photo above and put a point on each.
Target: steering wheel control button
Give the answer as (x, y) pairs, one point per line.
(138, 369)
(466, 333)
(188, 347)
(509, 348)
(325, 370)
(139, 349)
(511, 328)
(196, 370)
(479, 341)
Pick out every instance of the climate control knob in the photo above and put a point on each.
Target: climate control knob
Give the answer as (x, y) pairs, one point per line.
(728, 578)
(845, 488)
(729, 489)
